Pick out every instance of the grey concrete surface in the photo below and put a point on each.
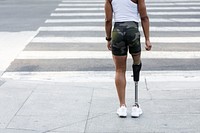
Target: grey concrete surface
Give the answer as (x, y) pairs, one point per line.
(42, 65)
(86, 107)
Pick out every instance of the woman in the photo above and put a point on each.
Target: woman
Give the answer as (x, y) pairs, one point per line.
(126, 36)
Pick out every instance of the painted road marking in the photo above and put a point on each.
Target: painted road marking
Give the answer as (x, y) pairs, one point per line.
(183, 20)
(102, 28)
(102, 39)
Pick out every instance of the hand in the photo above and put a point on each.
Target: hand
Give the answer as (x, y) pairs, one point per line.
(109, 45)
(148, 45)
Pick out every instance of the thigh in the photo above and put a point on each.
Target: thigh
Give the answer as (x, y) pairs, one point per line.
(119, 47)
(120, 63)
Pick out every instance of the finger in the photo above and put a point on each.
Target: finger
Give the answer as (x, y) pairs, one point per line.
(109, 48)
(147, 48)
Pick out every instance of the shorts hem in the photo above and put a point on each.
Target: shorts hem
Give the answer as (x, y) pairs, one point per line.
(119, 54)
(135, 52)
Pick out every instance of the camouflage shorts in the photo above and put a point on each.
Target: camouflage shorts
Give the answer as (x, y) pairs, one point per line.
(125, 35)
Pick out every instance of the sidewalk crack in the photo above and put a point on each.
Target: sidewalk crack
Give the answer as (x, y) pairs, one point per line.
(19, 109)
(89, 111)
(146, 85)
(2, 82)
(147, 88)
(88, 118)
(22, 129)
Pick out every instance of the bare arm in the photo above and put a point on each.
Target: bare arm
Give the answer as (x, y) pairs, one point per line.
(108, 18)
(108, 21)
(145, 22)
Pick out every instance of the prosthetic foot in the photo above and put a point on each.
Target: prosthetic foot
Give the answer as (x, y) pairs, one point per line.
(136, 110)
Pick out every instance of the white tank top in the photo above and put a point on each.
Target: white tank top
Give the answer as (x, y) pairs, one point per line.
(125, 10)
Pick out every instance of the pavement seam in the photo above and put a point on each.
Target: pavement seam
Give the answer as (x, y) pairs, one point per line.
(146, 85)
(2, 82)
(22, 129)
(19, 109)
(88, 118)
(89, 110)
(148, 90)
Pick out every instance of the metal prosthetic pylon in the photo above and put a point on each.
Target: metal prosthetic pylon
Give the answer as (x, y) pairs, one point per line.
(136, 76)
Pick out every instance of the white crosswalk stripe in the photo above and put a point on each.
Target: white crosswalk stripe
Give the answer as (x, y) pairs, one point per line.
(80, 23)
(101, 28)
(147, 1)
(148, 8)
(148, 4)
(183, 20)
(103, 76)
(102, 14)
(102, 40)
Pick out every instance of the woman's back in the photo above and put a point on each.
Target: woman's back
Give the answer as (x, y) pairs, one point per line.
(125, 10)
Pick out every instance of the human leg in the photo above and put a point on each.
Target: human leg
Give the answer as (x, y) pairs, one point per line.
(120, 79)
(133, 40)
(136, 110)
(119, 51)
(136, 73)
(120, 82)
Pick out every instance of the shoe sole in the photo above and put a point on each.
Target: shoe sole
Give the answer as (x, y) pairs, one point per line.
(135, 116)
(122, 116)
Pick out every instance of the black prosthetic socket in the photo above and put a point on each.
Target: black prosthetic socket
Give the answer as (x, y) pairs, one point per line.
(136, 71)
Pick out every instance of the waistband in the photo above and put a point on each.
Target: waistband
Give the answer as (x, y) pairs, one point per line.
(127, 24)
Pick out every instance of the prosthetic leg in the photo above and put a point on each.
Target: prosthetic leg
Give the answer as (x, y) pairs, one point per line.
(136, 76)
(136, 110)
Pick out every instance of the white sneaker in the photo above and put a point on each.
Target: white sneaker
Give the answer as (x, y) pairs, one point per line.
(136, 111)
(122, 111)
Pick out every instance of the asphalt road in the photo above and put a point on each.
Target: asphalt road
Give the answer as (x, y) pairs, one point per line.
(27, 15)
(24, 15)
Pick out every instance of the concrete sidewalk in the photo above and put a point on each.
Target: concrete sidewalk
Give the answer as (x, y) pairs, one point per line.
(12, 43)
(30, 106)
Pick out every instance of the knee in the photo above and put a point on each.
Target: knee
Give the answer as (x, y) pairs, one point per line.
(121, 70)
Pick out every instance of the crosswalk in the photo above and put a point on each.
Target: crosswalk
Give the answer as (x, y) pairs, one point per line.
(71, 42)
